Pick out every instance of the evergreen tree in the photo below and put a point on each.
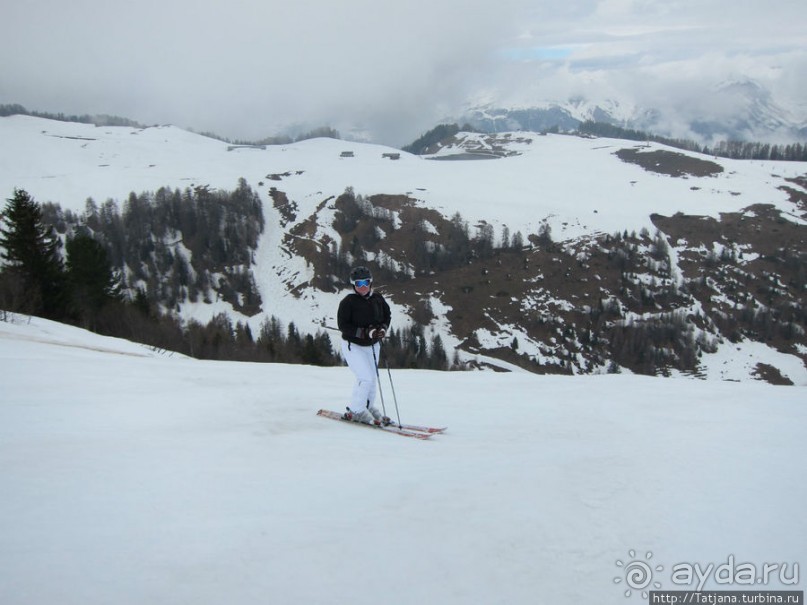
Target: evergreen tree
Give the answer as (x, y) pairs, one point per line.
(92, 283)
(32, 265)
(439, 357)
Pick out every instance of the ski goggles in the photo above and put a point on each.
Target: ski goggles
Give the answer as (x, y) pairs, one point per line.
(362, 283)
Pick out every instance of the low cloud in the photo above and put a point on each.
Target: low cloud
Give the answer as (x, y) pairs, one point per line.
(390, 70)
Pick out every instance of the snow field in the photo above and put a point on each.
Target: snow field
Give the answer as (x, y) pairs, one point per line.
(129, 477)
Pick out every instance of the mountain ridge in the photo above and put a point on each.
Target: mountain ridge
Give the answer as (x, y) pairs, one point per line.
(733, 110)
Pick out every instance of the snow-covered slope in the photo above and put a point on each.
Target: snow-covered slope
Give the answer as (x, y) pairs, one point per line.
(132, 477)
(577, 186)
(576, 183)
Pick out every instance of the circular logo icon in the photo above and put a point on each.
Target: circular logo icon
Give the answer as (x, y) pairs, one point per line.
(638, 573)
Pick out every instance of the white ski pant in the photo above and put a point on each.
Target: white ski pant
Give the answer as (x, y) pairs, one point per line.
(360, 360)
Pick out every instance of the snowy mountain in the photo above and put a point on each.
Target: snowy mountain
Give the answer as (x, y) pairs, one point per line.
(733, 110)
(131, 477)
(566, 116)
(744, 110)
(629, 257)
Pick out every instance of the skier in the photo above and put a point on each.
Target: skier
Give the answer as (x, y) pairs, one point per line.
(363, 318)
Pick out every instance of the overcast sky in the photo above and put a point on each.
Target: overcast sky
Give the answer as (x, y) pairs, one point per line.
(247, 68)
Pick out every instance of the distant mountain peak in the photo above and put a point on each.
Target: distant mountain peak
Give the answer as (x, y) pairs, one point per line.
(734, 109)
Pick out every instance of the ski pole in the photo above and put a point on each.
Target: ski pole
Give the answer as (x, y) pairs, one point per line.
(378, 380)
(392, 386)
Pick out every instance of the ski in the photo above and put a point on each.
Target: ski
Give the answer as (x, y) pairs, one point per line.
(423, 429)
(403, 432)
(408, 427)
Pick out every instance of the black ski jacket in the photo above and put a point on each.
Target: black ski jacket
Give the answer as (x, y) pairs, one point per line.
(357, 314)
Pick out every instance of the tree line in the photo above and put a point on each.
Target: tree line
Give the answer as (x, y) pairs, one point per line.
(81, 278)
(13, 109)
(195, 245)
(736, 150)
(362, 225)
(125, 273)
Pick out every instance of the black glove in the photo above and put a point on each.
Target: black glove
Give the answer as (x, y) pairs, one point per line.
(377, 333)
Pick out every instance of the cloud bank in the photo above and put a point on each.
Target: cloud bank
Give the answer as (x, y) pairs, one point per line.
(389, 70)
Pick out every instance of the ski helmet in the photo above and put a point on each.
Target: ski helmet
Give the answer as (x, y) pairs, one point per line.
(358, 273)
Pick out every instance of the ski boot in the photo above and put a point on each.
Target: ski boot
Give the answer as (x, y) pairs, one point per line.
(363, 417)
